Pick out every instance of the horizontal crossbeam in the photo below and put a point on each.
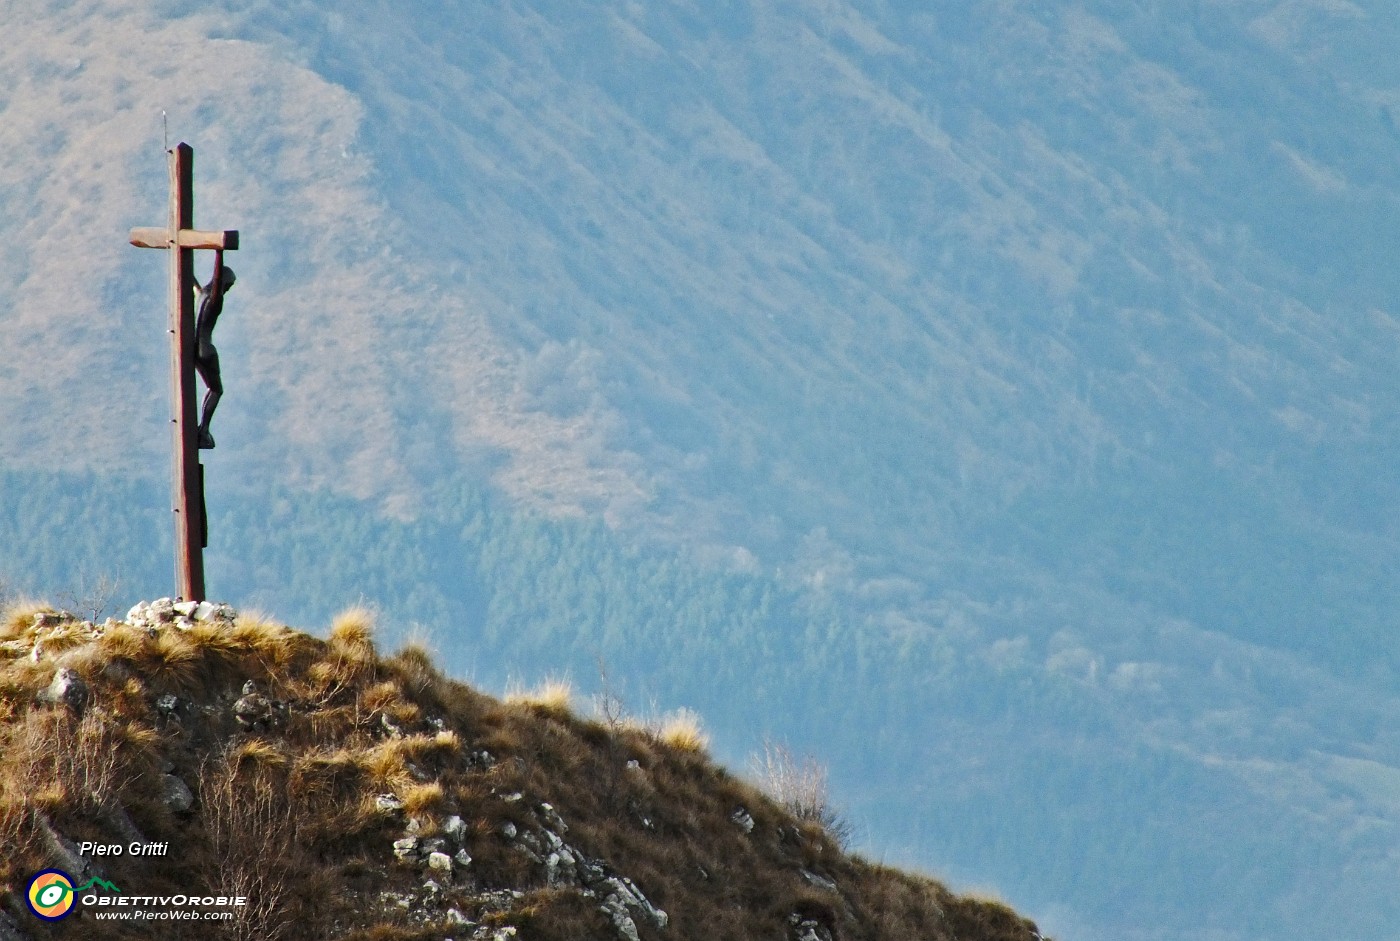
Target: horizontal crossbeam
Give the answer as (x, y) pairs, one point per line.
(149, 237)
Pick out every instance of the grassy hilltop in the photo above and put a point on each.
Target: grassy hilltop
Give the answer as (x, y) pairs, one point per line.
(350, 795)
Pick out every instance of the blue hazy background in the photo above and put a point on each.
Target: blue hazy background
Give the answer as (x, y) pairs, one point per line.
(998, 401)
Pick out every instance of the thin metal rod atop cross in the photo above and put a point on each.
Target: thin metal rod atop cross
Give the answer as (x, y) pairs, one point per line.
(187, 479)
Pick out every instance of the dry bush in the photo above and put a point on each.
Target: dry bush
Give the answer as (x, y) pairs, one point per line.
(92, 596)
(52, 760)
(252, 841)
(89, 760)
(800, 787)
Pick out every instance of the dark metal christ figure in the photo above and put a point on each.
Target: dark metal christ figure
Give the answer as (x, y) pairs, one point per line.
(206, 357)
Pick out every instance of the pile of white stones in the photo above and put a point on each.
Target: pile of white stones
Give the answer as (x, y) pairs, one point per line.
(181, 614)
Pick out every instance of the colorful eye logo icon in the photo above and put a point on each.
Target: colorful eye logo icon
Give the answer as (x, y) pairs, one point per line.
(50, 894)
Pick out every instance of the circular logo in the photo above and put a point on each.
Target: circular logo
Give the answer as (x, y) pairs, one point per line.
(50, 894)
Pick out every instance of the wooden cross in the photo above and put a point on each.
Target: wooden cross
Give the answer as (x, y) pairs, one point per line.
(187, 480)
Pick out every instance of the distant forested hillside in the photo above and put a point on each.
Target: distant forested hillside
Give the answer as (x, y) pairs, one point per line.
(981, 752)
(999, 399)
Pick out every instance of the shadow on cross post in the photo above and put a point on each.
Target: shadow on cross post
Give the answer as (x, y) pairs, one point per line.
(181, 239)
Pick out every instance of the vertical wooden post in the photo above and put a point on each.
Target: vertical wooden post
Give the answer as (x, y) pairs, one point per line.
(181, 239)
(186, 486)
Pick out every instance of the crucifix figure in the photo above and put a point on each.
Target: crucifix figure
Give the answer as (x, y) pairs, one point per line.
(206, 357)
(191, 350)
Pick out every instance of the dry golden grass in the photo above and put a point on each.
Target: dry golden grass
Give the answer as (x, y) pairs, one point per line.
(174, 661)
(682, 730)
(554, 694)
(216, 640)
(422, 799)
(267, 642)
(125, 642)
(257, 751)
(384, 764)
(352, 632)
(405, 712)
(291, 815)
(414, 664)
(19, 617)
(381, 696)
(87, 660)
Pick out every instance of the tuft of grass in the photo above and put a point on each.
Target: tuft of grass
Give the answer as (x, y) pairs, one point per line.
(381, 696)
(349, 658)
(214, 638)
(258, 752)
(423, 799)
(125, 642)
(19, 618)
(326, 775)
(266, 641)
(414, 665)
(444, 744)
(683, 731)
(174, 661)
(555, 694)
(384, 764)
(352, 633)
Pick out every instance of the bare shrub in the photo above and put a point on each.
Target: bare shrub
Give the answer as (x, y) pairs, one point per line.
(252, 841)
(49, 758)
(800, 786)
(92, 596)
(81, 759)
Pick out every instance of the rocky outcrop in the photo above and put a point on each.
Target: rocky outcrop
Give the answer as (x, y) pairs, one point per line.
(443, 859)
(255, 712)
(9, 930)
(434, 810)
(67, 688)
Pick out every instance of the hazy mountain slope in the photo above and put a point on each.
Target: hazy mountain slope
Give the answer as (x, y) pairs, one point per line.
(335, 322)
(1099, 793)
(1053, 347)
(891, 279)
